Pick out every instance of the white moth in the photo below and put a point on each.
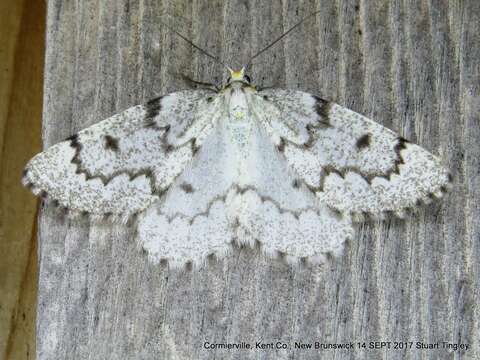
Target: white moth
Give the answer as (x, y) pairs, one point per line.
(203, 169)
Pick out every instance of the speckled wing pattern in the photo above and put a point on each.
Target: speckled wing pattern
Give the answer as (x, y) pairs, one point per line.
(281, 169)
(351, 163)
(120, 166)
(213, 204)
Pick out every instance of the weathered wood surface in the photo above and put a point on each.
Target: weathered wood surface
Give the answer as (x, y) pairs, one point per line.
(22, 49)
(411, 65)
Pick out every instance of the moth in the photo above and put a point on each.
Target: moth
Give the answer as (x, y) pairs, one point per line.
(202, 169)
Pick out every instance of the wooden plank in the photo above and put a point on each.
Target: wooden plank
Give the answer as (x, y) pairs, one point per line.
(411, 65)
(22, 46)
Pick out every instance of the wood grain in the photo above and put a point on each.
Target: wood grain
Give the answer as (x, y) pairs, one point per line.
(22, 46)
(410, 65)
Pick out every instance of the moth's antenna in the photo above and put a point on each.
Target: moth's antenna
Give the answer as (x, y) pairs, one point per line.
(195, 46)
(281, 37)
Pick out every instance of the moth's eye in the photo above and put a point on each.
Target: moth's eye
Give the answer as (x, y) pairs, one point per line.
(246, 77)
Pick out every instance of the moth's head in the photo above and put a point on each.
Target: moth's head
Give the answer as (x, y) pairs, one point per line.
(238, 76)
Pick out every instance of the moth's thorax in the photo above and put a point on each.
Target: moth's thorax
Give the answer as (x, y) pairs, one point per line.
(240, 121)
(238, 106)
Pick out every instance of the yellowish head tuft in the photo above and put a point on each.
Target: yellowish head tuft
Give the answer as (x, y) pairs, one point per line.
(237, 75)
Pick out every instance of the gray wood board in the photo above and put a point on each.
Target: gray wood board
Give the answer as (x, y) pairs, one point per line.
(410, 65)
